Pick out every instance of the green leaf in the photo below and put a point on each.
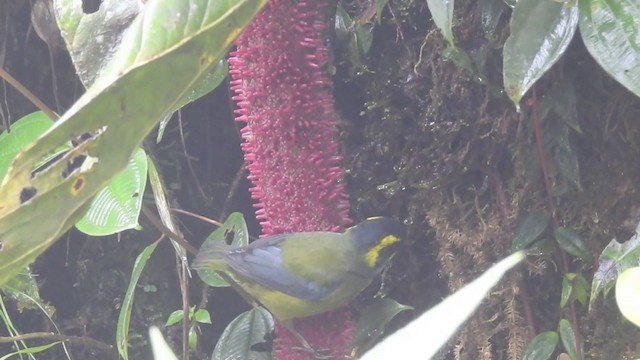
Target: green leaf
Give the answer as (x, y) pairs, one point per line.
(568, 165)
(540, 33)
(202, 316)
(442, 13)
(122, 328)
(373, 320)
(144, 81)
(447, 317)
(572, 243)
(31, 350)
(568, 338)
(90, 52)
(541, 347)
(363, 36)
(559, 131)
(491, 12)
(343, 24)
(248, 329)
(614, 260)
(628, 294)
(161, 350)
(192, 338)
(581, 288)
(236, 226)
(23, 290)
(567, 290)
(174, 318)
(574, 286)
(116, 207)
(563, 99)
(459, 57)
(380, 4)
(22, 133)
(529, 230)
(610, 30)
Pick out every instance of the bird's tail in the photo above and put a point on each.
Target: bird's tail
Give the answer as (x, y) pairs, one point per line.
(210, 256)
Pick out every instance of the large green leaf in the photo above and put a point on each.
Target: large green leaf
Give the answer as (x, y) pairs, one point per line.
(167, 49)
(241, 336)
(541, 30)
(610, 31)
(116, 207)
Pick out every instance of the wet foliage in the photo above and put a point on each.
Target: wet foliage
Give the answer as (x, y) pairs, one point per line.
(425, 140)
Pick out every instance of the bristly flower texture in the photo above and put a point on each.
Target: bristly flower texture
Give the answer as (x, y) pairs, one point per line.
(283, 93)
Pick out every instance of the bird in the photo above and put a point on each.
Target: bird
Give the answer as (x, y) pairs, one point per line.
(297, 275)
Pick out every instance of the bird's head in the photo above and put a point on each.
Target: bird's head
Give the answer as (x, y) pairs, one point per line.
(376, 240)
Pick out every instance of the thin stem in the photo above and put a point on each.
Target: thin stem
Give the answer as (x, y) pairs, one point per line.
(167, 232)
(199, 217)
(537, 130)
(28, 94)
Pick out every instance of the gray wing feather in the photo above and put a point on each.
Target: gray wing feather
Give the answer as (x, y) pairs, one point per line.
(261, 262)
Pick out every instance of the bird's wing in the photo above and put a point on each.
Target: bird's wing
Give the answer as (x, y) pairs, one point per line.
(263, 263)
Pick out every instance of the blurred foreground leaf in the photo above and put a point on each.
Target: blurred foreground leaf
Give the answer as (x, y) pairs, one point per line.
(144, 81)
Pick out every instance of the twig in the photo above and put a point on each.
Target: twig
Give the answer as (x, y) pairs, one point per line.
(537, 130)
(186, 155)
(199, 217)
(167, 232)
(28, 94)
(232, 190)
(184, 291)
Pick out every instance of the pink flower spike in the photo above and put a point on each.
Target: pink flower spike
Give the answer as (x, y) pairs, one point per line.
(290, 142)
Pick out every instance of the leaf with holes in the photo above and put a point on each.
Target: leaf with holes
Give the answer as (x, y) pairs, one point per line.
(236, 228)
(23, 132)
(144, 81)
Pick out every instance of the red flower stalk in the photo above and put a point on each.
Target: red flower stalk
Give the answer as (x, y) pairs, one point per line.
(284, 95)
